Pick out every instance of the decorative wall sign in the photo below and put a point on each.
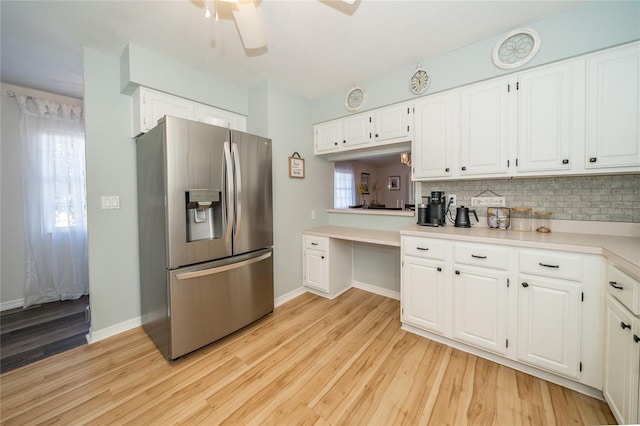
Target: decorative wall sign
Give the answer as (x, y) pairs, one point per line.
(296, 166)
(394, 183)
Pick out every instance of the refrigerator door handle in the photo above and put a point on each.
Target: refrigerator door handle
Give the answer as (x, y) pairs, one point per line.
(229, 267)
(238, 192)
(229, 201)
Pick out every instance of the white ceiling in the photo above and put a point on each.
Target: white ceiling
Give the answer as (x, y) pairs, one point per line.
(315, 47)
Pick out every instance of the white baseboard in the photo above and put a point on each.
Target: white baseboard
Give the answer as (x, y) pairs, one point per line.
(11, 304)
(289, 296)
(376, 290)
(96, 336)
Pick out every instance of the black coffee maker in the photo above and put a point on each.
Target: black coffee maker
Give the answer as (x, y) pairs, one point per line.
(433, 213)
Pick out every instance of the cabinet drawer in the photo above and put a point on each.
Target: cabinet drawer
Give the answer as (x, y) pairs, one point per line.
(481, 255)
(423, 247)
(551, 264)
(316, 243)
(624, 288)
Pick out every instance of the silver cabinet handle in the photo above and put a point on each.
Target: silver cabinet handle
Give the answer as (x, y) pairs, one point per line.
(423, 248)
(229, 267)
(616, 285)
(478, 257)
(548, 266)
(229, 201)
(238, 193)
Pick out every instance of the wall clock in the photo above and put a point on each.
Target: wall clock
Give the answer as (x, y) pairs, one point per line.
(419, 81)
(356, 96)
(516, 48)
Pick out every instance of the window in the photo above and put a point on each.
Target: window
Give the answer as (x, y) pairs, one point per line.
(343, 185)
(63, 179)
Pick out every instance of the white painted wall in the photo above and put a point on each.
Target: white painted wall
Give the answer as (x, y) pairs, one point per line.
(12, 268)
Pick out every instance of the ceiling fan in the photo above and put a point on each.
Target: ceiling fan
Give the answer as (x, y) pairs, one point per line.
(247, 19)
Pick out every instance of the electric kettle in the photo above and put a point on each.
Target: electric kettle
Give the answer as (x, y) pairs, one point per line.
(462, 217)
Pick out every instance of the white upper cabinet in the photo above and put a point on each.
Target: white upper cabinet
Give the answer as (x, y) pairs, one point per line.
(149, 106)
(549, 116)
(484, 128)
(389, 126)
(613, 109)
(357, 130)
(328, 136)
(392, 123)
(436, 133)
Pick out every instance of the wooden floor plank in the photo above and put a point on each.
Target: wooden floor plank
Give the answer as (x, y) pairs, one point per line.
(313, 361)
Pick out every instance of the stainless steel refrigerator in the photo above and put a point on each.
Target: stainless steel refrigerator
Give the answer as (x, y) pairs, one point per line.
(205, 232)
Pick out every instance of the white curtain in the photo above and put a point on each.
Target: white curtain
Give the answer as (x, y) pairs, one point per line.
(54, 200)
(344, 190)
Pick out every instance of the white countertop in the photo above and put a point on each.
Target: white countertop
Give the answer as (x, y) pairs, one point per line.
(371, 236)
(620, 250)
(623, 251)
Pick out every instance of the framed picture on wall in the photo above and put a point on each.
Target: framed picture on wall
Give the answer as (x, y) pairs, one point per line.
(394, 183)
(364, 179)
(296, 166)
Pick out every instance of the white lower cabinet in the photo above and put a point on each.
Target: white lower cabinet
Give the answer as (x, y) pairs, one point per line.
(549, 313)
(326, 265)
(621, 386)
(423, 294)
(480, 307)
(541, 310)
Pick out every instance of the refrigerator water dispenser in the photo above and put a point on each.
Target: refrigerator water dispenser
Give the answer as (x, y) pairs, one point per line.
(204, 214)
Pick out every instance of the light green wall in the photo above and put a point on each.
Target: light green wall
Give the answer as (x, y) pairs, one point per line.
(111, 170)
(589, 27)
(142, 67)
(288, 121)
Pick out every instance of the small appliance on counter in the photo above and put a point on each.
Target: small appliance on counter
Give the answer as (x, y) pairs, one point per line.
(433, 213)
(462, 217)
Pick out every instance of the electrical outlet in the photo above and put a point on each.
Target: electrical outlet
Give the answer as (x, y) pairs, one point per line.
(452, 200)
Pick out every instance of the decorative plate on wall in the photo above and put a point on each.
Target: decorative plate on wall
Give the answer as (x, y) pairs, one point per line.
(356, 96)
(516, 48)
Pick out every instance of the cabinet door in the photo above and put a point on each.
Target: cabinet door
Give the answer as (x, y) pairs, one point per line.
(613, 108)
(316, 270)
(218, 117)
(328, 136)
(392, 123)
(547, 116)
(620, 364)
(357, 130)
(157, 104)
(485, 128)
(435, 135)
(480, 307)
(549, 315)
(423, 299)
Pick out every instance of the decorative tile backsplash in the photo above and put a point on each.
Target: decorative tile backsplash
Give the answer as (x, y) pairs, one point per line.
(591, 198)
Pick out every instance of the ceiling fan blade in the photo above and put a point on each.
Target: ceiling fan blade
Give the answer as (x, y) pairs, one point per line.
(249, 25)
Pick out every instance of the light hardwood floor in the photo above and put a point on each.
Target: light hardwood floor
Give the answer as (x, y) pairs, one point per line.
(314, 361)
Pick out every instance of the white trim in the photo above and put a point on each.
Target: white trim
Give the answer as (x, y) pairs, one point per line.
(391, 294)
(11, 304)
(550, 377)
(96, 336)
(281, 300)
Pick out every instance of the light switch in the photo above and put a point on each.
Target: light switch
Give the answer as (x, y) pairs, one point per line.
(110, 202)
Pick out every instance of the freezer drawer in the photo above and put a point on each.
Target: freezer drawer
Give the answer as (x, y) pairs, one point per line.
(215, 299)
